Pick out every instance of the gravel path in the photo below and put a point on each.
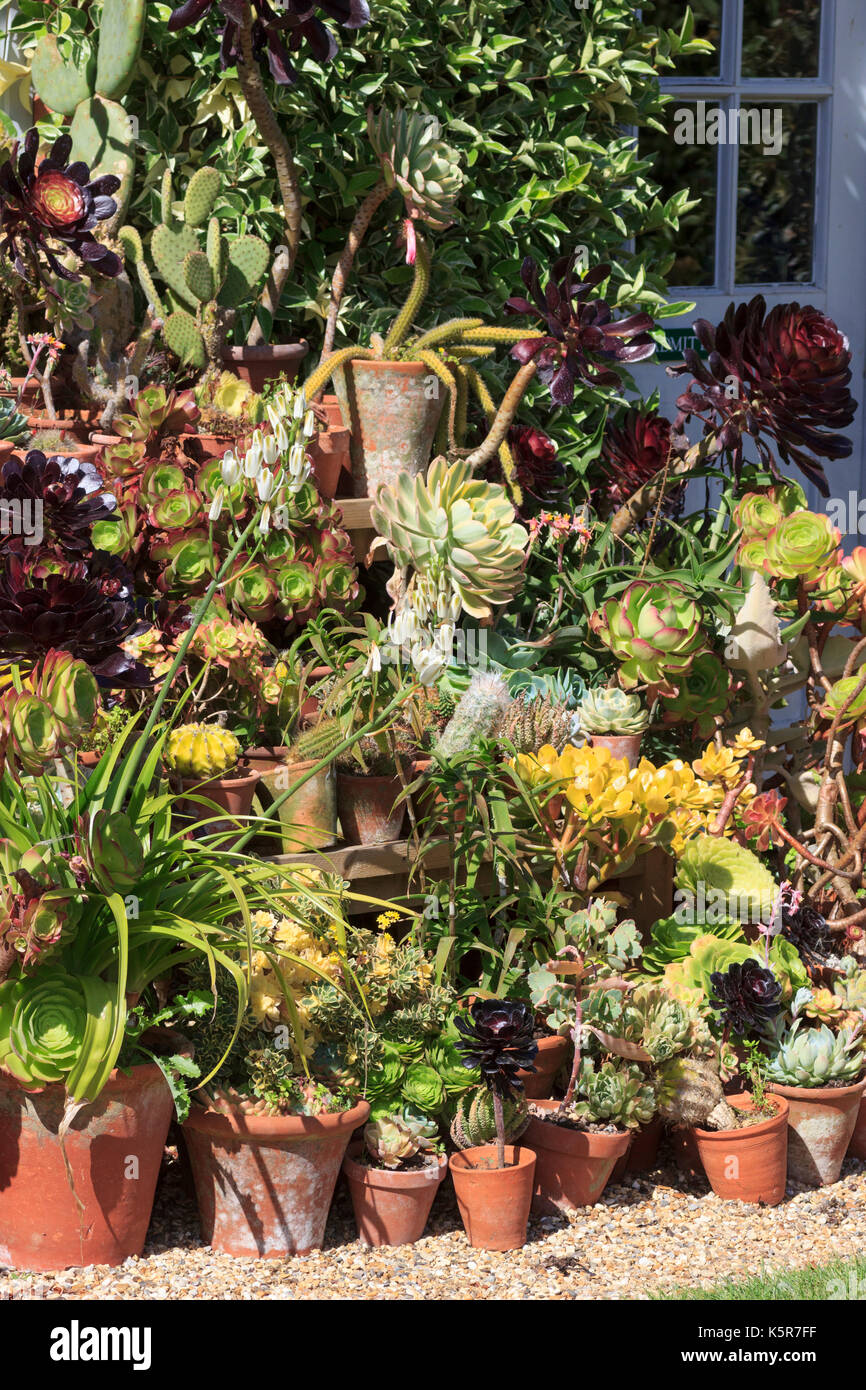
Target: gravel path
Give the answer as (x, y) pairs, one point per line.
(653, 1231)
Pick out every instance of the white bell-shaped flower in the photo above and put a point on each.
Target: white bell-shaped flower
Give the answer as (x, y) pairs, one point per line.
(230, 468)
(214, 511)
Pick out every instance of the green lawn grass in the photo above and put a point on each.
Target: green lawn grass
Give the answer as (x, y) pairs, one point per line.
(816, 1284)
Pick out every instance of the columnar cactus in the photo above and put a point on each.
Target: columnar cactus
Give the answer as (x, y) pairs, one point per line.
(201, 750)
(204, 287)
(474, 1122)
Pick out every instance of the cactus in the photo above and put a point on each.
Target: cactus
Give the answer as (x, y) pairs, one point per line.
(612, 711)
(484, 701)
(205, 286)
(530, 722)
(474, 1121)
(318, 742)
(691, 1093)
(201, 750)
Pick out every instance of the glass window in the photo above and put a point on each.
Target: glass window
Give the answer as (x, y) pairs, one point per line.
(776, 198)
(781, 38)
(693, 167)
(708, 25)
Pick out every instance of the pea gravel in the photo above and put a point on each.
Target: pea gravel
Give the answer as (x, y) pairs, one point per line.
(655, 1230)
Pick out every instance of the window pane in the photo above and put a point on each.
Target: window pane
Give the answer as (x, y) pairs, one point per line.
(781, 38)
(693, 167)
(776, 198)
(668, 14)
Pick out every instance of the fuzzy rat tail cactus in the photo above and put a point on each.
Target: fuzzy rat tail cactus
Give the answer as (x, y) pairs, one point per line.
(201, 750)
(485, 700)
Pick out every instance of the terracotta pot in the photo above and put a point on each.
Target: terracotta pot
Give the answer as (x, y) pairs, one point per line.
(41, 1224)
(857, 1145)
(686, 1155)
(333, 413)
(821, 1121)
(264, 1183)
(8, 448)
(621, 745)
(642, 1152)
(391, 1207)
(429, 802)
(747, 1165)
(550, 1058)
(72, 428)
(365, 806)
(202, 447)
(573, 1167)
(234, 795)
(494, 1202)
(307, 818)
(392, 411)
(329, 453)
(29, 395)
(259, 365)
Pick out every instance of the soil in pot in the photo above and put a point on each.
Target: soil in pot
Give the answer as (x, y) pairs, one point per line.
(392, 1205)
(259, 365)
(748, 1164)
(368, 810)
(307, 818)
(494, 1202)
(392, 410)
(42, 1226)
(821, 1121)
(549, 1060)
(574, 1165)
(264, 1183)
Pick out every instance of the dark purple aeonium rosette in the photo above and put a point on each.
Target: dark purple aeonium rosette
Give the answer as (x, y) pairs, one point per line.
(582, 342)
(51, 209)
(64, 496)
(747, 996)
(783, 375)
(497, 1038)
(278, 30)
(632, 453)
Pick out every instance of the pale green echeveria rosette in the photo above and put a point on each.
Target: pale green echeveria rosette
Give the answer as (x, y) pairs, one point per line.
(655, 629)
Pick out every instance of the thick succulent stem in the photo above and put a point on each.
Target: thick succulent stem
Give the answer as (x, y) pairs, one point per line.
(325, 370)
(506, 457)
(343, 270)
(504, 417)
(287, 177)
(632, 512)
(417, 294)
(269, 298)
(500, 1129)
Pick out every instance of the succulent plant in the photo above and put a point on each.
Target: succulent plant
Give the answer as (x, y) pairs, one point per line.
(212, 283)
(69, 689)
(67, 494)
(13, 425)
(817, 1056)
(807, 930)
(113, 851)
(51, 211)
(690, 1092)
(497, 1037)
(395, 1139)
(844, 695)
(423, 1089)
(536, 469)
(663, 1026)
(582, 342)
(702, 697)
(278, 29)
(609, 710)
(29, 732)
(632, 453)
(747, 996)
(655, 629)
(455, 530)
(203, 751)
(851, 988)
(710, 864)
(422, 166)
(478, 709)
(530, 722)
(156, 411)
(801, 544)
(613, 1093)
(474, 1120)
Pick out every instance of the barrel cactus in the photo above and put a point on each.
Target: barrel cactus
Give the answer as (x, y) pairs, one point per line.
(817, 1057)
(474, 1121)
(612, 711)
(655, 629)
(201, 750)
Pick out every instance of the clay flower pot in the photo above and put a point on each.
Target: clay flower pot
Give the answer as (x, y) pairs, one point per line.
(686, 1155)
(392, 409)
(391, 1207)
(233, 794)
(642, 1152)
(857, 1144)
(333, 413)
(259, 365)
(264, 1183)
(747, 1165)
(621, 745)
(573, 1166)
(821, 1121)
(7, 449)
(367, 810)
(549, 1060)
(494, 1202)
(41, 1224)
(308, 818)
(329, 453)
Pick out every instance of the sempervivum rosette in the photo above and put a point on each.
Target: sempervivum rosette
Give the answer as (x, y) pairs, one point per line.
(52, 208)
(655, 629)
(43, 1021)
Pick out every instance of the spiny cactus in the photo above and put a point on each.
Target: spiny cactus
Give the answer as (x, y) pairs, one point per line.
(474, 1122)
(201, 750)
(318, 742)
(690, 1093)
(611, 711)
(483, 702)
(530, 722)
(205, 287)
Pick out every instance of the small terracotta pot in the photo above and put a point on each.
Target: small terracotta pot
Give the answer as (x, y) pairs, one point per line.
(391, 1207)
(686, 1155)
(333, 413)
(202, 447)
(642, 1152)
(621, 745)
(857, 1144)
(367, 811)
(72, 428)
(308, 818)
(392, 411)
(549, 1060)
(494, 1202)
(821, 1121)
(747, 1165)
(41, 1224)
(264, 1183)
(7, 449)
(259, 365)
(329, 453)
(428, 802)
(234, 795)
(573, 1167)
